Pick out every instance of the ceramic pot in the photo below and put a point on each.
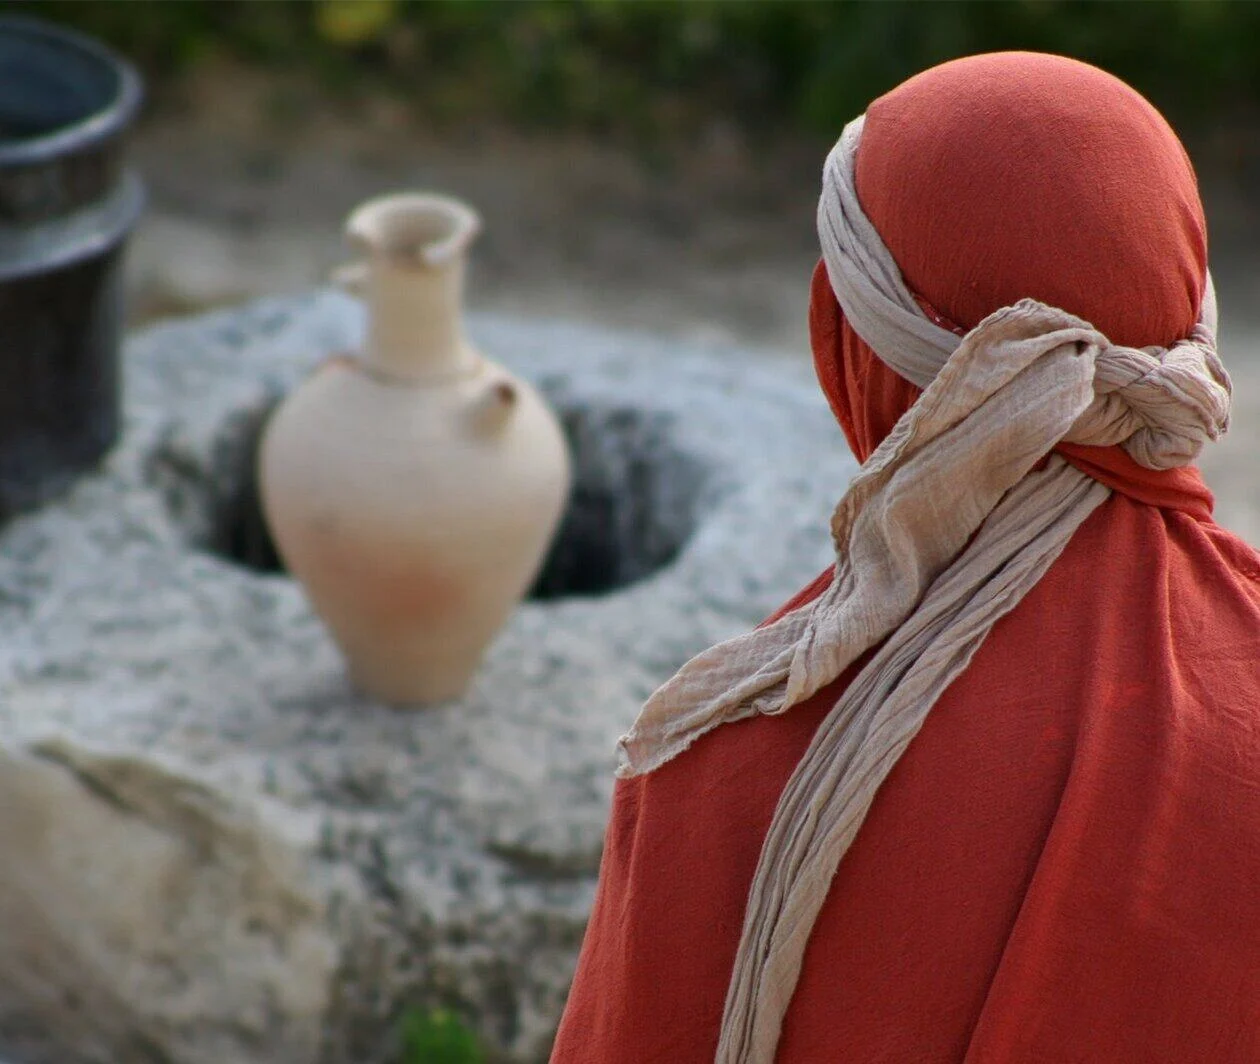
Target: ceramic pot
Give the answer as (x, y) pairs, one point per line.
(413, 489)
(68, 202)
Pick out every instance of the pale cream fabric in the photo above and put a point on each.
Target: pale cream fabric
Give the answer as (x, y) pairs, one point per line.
(941, 532)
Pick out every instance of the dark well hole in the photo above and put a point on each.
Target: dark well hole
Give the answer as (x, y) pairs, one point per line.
(635, 501)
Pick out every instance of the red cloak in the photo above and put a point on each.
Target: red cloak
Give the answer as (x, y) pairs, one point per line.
(1065, 864)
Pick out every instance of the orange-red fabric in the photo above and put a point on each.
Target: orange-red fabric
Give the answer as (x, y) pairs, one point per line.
(1065, 864)
(1009, 176)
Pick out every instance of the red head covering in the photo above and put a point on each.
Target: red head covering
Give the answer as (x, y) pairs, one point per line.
(1120, 241)
(1064, 864)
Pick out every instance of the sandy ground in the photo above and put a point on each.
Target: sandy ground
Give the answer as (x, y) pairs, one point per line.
(250, 178)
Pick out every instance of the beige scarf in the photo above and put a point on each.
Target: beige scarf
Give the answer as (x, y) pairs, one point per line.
(941, 532)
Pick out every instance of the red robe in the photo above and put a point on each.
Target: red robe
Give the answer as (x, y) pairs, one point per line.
(1064, 865)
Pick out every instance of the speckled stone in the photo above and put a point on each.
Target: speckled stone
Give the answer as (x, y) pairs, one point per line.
(256, 863)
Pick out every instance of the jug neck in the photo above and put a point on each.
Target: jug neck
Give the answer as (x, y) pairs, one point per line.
(412, 279)
(415, 325)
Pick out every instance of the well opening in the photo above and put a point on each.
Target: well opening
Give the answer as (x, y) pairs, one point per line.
(635, 501)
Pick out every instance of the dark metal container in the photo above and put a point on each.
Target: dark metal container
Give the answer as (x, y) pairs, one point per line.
(67, 205)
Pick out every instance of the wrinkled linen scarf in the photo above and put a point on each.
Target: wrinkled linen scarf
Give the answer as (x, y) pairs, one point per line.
(949, 523)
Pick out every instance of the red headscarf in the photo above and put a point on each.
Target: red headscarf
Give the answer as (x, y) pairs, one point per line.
(1098, 213)
(1065, 863)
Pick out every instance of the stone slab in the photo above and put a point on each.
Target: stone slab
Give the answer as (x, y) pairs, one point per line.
(214, 849)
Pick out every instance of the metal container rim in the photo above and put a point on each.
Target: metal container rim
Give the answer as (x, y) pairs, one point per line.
(102, 125)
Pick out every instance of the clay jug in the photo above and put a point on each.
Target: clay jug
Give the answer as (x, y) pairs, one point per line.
(414, 488)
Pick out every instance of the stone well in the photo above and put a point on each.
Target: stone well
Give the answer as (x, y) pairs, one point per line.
(213, 849)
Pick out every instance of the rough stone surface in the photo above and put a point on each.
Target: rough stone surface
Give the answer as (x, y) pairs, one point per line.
(213, 848)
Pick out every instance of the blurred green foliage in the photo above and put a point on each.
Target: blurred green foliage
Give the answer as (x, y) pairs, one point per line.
(661, 65)
(437, 1037)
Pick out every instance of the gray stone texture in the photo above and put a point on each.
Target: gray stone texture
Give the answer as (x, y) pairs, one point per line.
(214, 850)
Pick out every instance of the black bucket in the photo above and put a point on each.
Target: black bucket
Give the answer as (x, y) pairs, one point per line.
(67, 205)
